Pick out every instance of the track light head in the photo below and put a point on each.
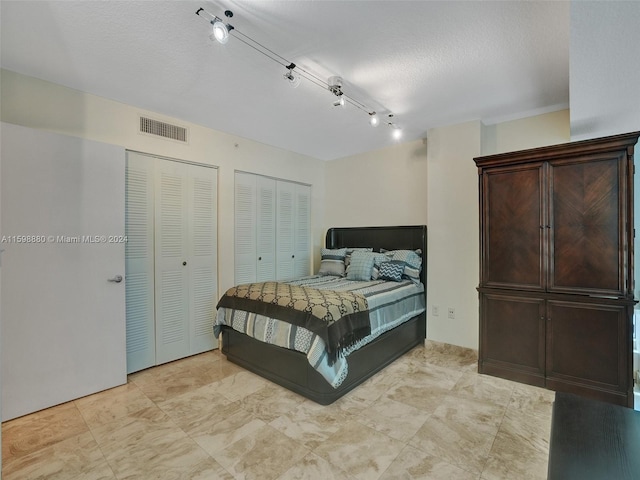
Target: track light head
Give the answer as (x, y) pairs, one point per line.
(220, 31)
(292, 77)
(374, 121)
(335, 85)
(340, 102)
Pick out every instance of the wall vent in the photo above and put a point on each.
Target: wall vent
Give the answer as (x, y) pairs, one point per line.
(162, 129)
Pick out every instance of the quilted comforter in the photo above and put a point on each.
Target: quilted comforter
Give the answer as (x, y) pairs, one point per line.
(389, 305)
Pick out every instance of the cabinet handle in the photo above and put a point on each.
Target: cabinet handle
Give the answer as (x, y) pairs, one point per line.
(293, 256)
(184, 264)
(259, 258)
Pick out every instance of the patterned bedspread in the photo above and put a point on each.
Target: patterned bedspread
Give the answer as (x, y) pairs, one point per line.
(340, 318)
(390, 304)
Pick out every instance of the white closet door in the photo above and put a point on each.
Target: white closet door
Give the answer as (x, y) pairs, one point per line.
(140, 260)
(63, 322)
(266, 229)
(202, 263)
(171, 255)
(302, 249)
(285, 224)
(245, 228)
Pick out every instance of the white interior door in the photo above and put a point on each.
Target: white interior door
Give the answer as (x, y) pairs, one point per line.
(285, 222)
(266, 229)
(302, 263)
(245, 239)
(202, 268)
(63, 321)
(171, 268)
(140, 262)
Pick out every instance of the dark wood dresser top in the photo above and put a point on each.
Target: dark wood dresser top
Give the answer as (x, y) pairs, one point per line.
(592, 440)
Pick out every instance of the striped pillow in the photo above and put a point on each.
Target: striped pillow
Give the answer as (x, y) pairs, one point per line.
(332, 261)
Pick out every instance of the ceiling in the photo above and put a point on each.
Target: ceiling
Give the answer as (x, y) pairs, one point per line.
(428, 63)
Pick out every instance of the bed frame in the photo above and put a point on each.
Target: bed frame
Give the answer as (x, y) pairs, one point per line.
(291, 369)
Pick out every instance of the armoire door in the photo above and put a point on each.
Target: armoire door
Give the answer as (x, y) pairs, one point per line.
(587, 240)
(588, 349)
(513, 229)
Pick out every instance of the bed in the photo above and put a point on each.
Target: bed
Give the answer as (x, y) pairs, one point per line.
(329, 365)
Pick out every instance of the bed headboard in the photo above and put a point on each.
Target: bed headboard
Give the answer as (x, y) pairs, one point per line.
(409, 237)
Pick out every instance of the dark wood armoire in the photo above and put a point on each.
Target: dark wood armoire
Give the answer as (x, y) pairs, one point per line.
(556, 267)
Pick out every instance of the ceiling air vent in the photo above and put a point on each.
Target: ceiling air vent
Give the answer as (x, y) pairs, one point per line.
(162, 129)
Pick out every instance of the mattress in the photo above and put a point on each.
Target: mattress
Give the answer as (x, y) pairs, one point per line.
(389, 303)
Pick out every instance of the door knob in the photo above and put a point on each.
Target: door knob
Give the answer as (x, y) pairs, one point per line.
(116, 279)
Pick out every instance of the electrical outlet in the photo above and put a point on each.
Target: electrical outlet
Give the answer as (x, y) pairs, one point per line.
(451, 313)
(435, 310)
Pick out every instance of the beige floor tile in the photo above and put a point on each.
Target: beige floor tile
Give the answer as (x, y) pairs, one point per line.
(74, 457)
(395, 419)
(311, 424)
(312, 467)
(112, 404)
(360, 451)
(31, 433)
(456, 443)
(484, 388)
(529, 399)
(214, 437)
(413, 464)
(264, 455)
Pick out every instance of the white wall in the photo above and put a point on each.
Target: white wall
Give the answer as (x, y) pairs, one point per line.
(530, 132)
(453, 233)
(38, 104)
(382, 187)
(604, 68)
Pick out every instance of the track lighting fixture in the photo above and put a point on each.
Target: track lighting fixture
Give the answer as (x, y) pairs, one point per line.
(292, 77)
(220, 32)
(293, 74)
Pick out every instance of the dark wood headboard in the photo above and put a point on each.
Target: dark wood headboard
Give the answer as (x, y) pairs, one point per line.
(407, 237)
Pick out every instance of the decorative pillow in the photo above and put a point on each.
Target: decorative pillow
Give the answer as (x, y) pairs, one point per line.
(361, 266)
(347, 259)
(378, 258)
(332, 262)
(412, 261)
(391, 270)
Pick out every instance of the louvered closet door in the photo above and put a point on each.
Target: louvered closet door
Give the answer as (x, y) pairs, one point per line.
(266, 229)
(139, 260)
(302, 241)
(171, 261)
(245, 227)
(202, 259)
(285, 224)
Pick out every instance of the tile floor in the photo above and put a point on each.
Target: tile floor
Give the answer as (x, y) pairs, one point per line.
(429, 415)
